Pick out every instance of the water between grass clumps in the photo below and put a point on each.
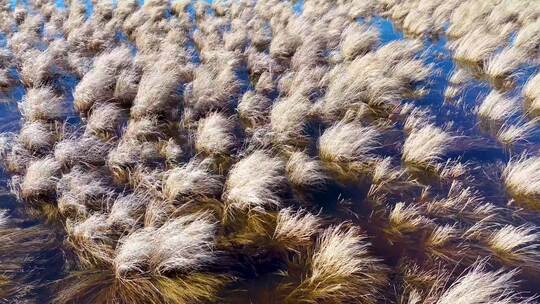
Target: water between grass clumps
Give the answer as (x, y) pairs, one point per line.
(459, 115)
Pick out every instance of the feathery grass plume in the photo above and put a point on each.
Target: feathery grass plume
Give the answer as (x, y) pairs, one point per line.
(129, 153)
(531, 92)
(463, 204)
(254, 108)
(105, 120)
(387, 178)
(126, 86)
(235, 41)
(81, 192)
(521, 176)
(284, 44)
(475, 47)
(503, 66)
(255, 182)
(21, 42)
(37, 136)
(97, 86)
(147, 128)
(357, 40)
(442, 242)
(15, 155)
(405, 219)
(305, 172)
(456, 82)
(295, 229)
(528, 36)
(516, 246)
(340, 270)
(157, 93)
(496, 108)
(183, 244)
(266, 84)
(426, 146)
(347, 147)
(85, 150)
(288, 120)
(91, 240)
(39, 68)
(212, 89)
(215, 135)
(481, 286)
(127, 212)
(512, 134)
(191, 181)
(172, 151)
(42, 104)
(40, 179)
(124, 9)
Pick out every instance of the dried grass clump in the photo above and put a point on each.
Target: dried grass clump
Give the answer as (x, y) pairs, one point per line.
(37, 136)
(531, 91)
(85, 150)
(148, 128)
(124, 158)
(503, 66)
(254, 108)
(82, 192)
(255, 182)
(528, 36)
(340, 270)
(348, 146)
(426, 146)
(288, 120)
(42, 104)
(127, 212)
(476, 47)
(216, 135)
(184, 244)
(358, 40)
(521, 177)
(40, 179)
(305, 172)
(497, 108)
(157, 94)
(511, 134)
(295, 229)
(482, 286)
(405, 219)
(98, 85)
(91, 239)
(105, 120)
(191, 181)
(39, 68)
(516, 246)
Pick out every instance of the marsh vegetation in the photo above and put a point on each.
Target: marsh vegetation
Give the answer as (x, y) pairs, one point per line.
(267, 151)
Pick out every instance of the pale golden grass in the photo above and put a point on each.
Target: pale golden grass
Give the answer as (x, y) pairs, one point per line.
(479, 285)
(37, 136)
(304, 171)
(255, 182)
(425, 147)
(531, 91)
(288, 120)
(86, 150)
(40, 179)
(105, 120)
(191, 181)
(348, 143)
(182, 244)
(340, 270)
(254, 108)
(516, 246)
(521, 176)
(497, 108)
(404, 219)
(295, 229)
(215, 135)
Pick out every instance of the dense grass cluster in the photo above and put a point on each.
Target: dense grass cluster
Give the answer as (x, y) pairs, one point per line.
(250, 152)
